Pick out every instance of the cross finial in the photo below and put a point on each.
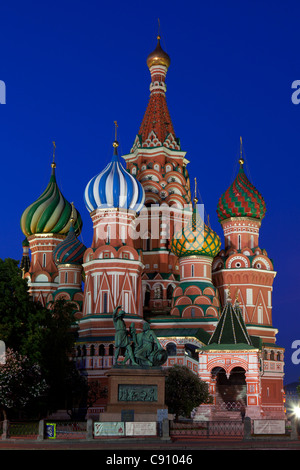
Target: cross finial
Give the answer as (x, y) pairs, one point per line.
(116, 143)
(195, 195)
(158, 31)
(241, 160)
(53, 165)
(73, 214)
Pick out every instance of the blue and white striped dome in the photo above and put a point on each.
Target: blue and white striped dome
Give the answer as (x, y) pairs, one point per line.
(114, 187)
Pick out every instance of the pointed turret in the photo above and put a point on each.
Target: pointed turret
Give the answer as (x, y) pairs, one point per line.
(230, 330)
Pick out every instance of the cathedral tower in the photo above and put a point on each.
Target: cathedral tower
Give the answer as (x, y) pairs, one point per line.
(157, 161)
(45, 223)
(242, 264)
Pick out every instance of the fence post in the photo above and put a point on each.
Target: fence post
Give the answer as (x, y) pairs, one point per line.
(41, 434)
(89, 429)
(5, 431)
(165, 426)
(247, 428)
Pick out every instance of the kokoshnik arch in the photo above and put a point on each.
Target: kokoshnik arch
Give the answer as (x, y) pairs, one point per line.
(210, 307)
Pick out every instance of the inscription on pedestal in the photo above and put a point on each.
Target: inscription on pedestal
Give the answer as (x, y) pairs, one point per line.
(127, 392)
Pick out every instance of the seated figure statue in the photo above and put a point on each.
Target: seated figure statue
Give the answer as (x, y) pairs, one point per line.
(147, 349)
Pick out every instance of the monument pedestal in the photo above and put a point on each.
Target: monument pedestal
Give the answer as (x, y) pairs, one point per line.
(134, 393)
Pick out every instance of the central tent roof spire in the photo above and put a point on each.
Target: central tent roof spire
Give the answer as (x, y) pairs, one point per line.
(157, 129)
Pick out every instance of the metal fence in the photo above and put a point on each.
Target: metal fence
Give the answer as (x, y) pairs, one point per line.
(208, 429)
(24, 429)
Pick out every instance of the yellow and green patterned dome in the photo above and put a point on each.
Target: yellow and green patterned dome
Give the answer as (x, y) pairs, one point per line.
(196, 239)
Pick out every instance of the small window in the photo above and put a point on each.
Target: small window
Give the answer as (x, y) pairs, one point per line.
(105, 302)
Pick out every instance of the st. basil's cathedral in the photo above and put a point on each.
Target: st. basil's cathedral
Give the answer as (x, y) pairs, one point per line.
(210, 307)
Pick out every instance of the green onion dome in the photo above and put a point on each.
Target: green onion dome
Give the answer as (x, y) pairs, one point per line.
(196, 238)
(241, 199)
(70, 250)
(50, 213)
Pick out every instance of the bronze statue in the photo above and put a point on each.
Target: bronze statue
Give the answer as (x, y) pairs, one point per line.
(121, 337)
(142, 349)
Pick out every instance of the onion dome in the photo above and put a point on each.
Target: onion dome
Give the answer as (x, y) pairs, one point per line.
(50, 213)
(158, 56)
(241, 199)
(114, 187)
(196, 238)
(25, 261)
(70, 250)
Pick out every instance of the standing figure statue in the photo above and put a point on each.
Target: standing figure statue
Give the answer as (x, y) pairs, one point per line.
(122, 339)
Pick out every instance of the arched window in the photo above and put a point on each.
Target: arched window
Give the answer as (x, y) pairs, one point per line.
(278, 356)
(158, 292)
(170, 289)
(92, 350)
(147, 296)
(171, 349)
(111, 350)
(108, 234)
(101, 350)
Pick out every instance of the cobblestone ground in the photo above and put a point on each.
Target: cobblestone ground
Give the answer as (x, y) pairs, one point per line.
(147, 445)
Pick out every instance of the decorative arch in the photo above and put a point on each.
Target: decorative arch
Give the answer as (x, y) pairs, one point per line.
(209, 291)
(193, 311)
(261, 262)
(211, 312)
(202, 300)
(183, 301)
(177, 291)
(237, 261)
(192, 290)
(41, 276)
(98, 254)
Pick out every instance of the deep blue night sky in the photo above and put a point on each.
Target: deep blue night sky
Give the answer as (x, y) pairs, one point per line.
(72, 68)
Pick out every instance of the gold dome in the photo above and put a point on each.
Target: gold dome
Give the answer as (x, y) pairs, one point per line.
(158, 56)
